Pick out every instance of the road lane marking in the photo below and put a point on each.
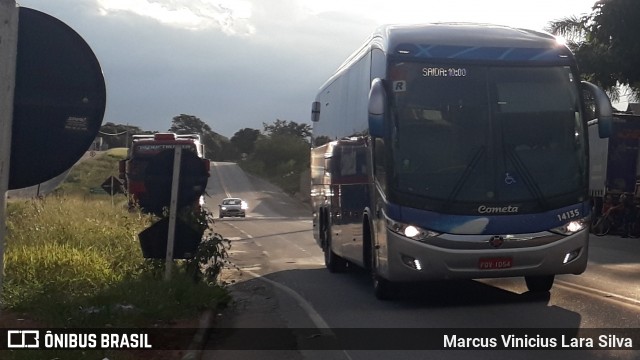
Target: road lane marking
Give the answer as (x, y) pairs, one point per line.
(249, 236)
(250, 268)
(315, 317)
(228, 220)
(233, 252)
(593, 291)
(222, 185)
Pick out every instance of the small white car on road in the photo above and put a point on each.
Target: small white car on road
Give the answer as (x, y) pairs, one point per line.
(233, 207)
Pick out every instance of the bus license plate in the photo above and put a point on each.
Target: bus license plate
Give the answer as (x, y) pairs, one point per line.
(495, 263)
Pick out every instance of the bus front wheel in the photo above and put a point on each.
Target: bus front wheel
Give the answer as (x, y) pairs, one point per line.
(383, 289)
(539, 283)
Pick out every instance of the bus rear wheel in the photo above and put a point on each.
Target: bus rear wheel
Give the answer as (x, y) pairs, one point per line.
(333, 262)
(539, 283)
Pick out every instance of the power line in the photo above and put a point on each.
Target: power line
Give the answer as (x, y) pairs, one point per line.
(118, 134)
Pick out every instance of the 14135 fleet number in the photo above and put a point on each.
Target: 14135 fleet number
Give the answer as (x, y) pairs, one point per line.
(568, 215)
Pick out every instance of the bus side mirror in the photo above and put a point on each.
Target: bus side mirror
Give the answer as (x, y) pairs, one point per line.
(315, 111)
(603, 109)
(377, 108)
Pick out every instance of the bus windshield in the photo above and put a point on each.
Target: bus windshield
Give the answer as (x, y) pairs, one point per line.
(487, 135)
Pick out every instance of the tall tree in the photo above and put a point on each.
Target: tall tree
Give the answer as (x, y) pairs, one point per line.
(217, 147)
(189, 124)
(245, 140)
(606, 43)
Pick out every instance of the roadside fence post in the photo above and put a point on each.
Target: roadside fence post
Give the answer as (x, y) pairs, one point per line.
(8, 55)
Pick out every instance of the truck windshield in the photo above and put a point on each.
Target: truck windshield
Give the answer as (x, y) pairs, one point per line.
(487, 135)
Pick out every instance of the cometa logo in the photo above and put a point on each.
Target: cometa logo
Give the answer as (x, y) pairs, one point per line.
(483, 209)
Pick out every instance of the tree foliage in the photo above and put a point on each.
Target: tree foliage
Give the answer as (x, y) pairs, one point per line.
(282, 154)
(217, 147)
(245, 140)
(321, 140)
(189, 124)
(606, 43)
(284, 127)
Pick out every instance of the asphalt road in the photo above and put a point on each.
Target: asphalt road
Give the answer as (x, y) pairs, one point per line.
(285, 298)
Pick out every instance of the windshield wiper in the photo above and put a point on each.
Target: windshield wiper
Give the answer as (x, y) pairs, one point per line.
(529, 181)
(466, 174)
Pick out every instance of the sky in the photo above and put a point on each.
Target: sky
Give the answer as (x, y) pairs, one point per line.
(240, 63)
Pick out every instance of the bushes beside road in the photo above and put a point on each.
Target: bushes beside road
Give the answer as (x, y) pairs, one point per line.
(279, 159)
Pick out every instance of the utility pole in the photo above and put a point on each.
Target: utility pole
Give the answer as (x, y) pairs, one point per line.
(8, 55)
(173, 211)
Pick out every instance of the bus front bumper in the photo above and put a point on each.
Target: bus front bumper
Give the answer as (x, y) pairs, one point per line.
(405, 260)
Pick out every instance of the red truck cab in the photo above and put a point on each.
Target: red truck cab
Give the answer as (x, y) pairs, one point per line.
(143, 149)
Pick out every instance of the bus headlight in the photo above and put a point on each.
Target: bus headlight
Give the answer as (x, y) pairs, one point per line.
(410, 231)
(571, 227)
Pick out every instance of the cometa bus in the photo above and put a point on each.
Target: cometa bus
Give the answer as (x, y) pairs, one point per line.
(455, 151)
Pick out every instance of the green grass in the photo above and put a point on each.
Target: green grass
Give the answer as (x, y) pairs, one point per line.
(119, 153)
(87, 176)
(63, 248)
(73, 260)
